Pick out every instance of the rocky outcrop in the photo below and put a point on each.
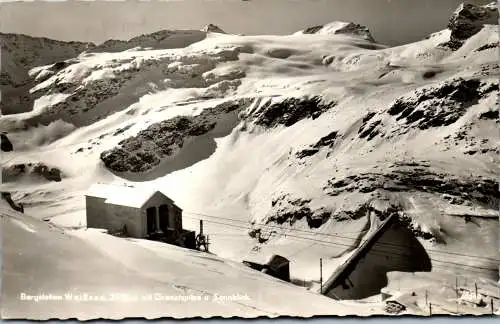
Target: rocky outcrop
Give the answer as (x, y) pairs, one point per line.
(291, 111)
(432, 106)
(287, 209)
(418, 177)
(369, 130)
(146, 150)
(8, 198)
(325, 141)
(211, 28)
(440, 106)
(340, 28)
(39, 170)
(468, 20)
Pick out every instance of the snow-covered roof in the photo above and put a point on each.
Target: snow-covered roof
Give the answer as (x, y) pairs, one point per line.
(123, 195)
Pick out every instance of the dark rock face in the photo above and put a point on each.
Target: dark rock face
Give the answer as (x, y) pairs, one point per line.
(452, 44)
(122, 129)
(348, 29)
(469, 19)
(289, 209)
(356, 29)
(292, 110)
(82, 99)
(440, 106)
(11, 173)
(213, 29)
(472, 144)
(490, 114)
(418, 177)
(327, 140)
(313, 29)
(6, 145)
(358, 213)
(51, 174)
(8, 197)
(369, 130)
(146, 150)
(487, 46)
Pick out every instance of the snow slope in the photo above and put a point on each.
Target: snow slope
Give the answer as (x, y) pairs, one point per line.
(302, 138)
(115, 272)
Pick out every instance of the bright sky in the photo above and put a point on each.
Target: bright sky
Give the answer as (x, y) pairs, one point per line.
(391, 22)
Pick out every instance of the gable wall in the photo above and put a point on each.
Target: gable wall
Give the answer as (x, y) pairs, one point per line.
(124, 215)
(112, 217)
(174, 213)
(97, 214)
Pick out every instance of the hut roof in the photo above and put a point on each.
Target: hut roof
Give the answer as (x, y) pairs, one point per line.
(123, 195)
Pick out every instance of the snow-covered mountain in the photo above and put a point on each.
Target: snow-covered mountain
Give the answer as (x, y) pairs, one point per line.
(20, 53)
(308, 139)
(340, 28)
(468, 19)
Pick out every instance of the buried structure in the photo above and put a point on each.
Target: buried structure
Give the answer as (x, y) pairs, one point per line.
(391, 247)
(138, 213)
(276, 266)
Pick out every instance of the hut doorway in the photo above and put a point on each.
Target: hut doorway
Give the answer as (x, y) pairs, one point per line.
(163, 211)
(151, 220)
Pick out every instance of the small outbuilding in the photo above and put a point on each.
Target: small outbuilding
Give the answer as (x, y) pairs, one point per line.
(276, 266)
(136, 212)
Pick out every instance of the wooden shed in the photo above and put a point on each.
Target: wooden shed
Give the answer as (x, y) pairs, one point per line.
(135, 212)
